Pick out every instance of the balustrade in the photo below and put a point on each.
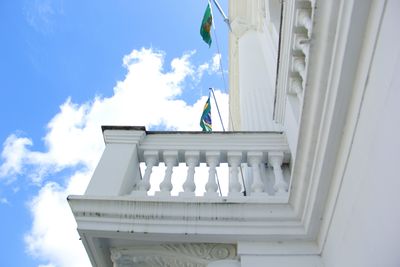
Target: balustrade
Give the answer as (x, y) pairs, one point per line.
(236, 151)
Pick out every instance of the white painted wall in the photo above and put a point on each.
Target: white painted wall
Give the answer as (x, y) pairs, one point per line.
(257, 75)
(365, 229)
(280, 261)
(224, 263)
(253, 64)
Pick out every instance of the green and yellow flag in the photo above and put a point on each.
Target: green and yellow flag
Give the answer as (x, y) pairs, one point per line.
(205, 29)
(205, 120)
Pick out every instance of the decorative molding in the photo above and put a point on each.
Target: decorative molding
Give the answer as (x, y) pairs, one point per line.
(172, 255)
(296, 35)
(295, 86)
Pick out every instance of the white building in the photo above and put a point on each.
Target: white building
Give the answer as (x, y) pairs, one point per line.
(322, 184)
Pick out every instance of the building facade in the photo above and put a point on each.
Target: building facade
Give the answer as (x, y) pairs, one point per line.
(313, 94)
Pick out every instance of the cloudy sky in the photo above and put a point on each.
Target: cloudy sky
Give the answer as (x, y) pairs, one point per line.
(68, 67)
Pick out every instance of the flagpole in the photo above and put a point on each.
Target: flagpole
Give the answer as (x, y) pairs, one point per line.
(212, 14)
(219, 187)
(216, 104)
(226, 20)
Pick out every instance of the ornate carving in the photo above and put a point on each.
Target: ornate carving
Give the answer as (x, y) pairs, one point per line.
(172, 255)
(220, 252)
(294, 55)
(300, 44)
(295, 86)
(299, 65)
(302, 32)
(303, 20)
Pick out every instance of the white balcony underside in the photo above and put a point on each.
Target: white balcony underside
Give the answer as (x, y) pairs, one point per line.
(202, 219)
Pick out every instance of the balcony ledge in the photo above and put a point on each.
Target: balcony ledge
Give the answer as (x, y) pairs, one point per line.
(194, 219)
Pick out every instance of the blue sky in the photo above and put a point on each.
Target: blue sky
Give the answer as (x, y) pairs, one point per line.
(68, 66)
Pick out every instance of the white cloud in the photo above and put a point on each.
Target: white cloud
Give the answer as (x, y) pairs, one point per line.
(13, 155)
(53, 236)
(201, 69)
(147, 96)
(216, 60)
(211, 67)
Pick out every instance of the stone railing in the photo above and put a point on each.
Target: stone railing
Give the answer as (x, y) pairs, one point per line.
(258, 158)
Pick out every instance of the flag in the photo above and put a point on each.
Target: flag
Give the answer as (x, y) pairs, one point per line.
(205, 120)
(205, 29)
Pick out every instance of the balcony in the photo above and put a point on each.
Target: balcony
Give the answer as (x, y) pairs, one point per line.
(132, 155)
(259, 158)
(161, 187)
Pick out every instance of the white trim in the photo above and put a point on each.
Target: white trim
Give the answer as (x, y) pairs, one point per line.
(361, 79)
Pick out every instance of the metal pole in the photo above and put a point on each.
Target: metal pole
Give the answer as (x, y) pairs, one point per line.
(222, 14)
(220, 118)
(244, 185)
(219, 187)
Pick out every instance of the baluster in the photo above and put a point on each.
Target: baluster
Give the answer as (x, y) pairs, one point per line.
(276, 160)
(212, 159)
(234, 159)
(192, 160)
(254, 160)
(171, 160)
(151, 160)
